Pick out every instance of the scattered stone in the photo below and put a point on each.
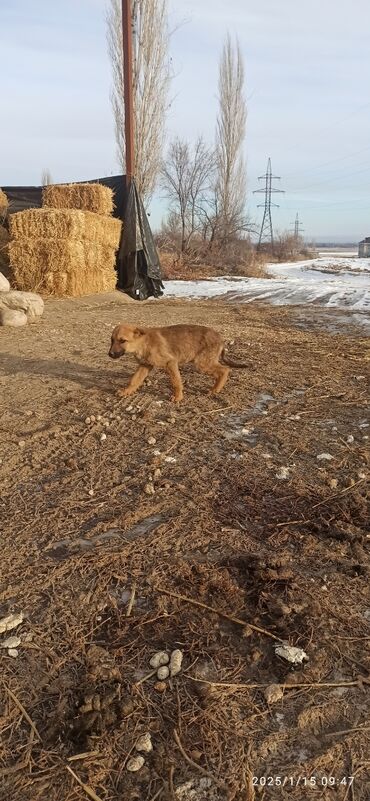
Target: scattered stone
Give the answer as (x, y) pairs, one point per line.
(103, 437)
(273, 693)
(106, 424)
(92, 418)
(91, 492)
(21, 443)
(144, 743)
(149, 488)
(151, 440)
(324, 457)
(283, 473)
(170, 459)
(135, 763)
(157, 472)
(350, 439)
(11, 622)
(98, 417)
(176, 662)
(291, 654)
(266, 455)
(87, 420)
(361, 474)
(163, 673)
(29, 303)
(160, 686)
(294, 417)
(13, 652)
(159, 659)
(333, 483)
(156, 452)
(11, 642)
(12, 317)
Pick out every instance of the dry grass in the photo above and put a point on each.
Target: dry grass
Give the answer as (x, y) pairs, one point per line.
(62, 267)
(291, 557)
(87, 197)
(4, 254)
(4, 203)
(65, 224)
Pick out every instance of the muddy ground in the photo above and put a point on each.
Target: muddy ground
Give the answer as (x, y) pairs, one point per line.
(222, 501)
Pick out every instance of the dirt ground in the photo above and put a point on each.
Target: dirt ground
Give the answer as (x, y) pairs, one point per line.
(212, 527)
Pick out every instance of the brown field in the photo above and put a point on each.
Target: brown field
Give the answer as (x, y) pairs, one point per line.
(101, 537)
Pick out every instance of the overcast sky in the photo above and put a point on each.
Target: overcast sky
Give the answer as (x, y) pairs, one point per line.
(307, 85)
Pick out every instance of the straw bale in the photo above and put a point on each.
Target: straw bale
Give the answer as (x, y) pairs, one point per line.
(4, 203)
(4, 255)
(65, 224)
(64, 267)
(88, 197)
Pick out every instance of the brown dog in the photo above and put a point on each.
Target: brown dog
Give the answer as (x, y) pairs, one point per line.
(168, 347)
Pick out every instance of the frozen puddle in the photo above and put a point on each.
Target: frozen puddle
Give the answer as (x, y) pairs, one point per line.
(342, 283)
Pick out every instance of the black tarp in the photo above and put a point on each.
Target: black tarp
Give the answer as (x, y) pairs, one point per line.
(138, 267)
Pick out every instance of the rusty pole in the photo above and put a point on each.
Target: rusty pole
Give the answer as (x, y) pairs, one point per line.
(128, 90)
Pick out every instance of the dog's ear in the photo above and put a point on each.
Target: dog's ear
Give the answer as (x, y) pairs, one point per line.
(138, 332)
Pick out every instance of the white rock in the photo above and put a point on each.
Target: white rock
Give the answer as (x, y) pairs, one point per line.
(21, 443)
(149, 488)
(28, 302)
(324, 457)
(11, 642)
(135, 763)
(92, 418)
(11, 622)
(12, 317)
(156, 452)
(103, 437)
(4, 284)
(98, 417)
(87, 420)
(361, 474)
(91, 492)
(294, 417)
(13, 652)
(283, 473)
(291, 654)
(350, 439)
(159, 659)
(170, 459)
(144, 743)
(151, 440)
(163, 673)
(157, 472)
(176, 662)
(266, 455)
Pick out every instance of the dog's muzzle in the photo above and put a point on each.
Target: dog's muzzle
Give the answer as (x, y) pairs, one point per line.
(114, 355)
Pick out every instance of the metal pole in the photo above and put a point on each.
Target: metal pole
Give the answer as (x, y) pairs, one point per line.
(128, 90)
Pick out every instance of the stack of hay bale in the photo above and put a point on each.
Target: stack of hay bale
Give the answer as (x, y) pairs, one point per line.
(4, 235)
(68, 247)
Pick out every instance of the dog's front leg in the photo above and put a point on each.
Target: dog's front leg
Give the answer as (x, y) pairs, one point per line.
(172, 369)
(136, 381)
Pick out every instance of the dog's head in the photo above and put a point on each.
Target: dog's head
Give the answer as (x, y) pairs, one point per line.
(124, 340)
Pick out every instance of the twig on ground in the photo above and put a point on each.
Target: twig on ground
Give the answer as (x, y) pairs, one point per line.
(283, 686)
(24, 713)
(236, 620)
(145, 678)
(347, 731)
(85, 755)
(88, 790)
(346, 489)
(131, 601)
(195, 764)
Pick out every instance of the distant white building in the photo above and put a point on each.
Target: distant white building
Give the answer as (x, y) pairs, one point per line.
(364, 248)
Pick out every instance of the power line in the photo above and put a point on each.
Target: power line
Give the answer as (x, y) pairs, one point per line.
(267, 232)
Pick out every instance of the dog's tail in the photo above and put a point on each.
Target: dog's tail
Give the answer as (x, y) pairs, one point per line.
(230, 362)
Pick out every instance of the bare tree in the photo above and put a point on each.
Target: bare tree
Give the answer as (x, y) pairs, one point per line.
(186, 179)
(230, 187)
(46, 178)
(151, 76)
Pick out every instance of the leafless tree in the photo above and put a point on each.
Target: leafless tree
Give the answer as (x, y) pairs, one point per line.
(151, 76)
(230, 189)
(46, 178)
(186, 180)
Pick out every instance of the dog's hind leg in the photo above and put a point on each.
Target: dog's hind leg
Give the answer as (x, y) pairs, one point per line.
(136, 381)
(172, 369)
(213, 368)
